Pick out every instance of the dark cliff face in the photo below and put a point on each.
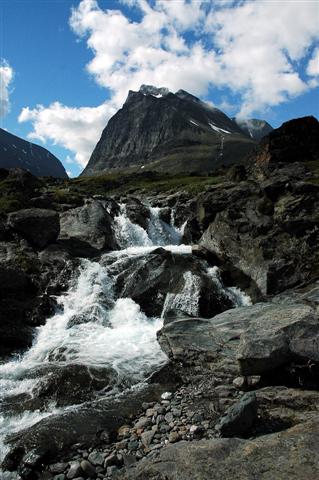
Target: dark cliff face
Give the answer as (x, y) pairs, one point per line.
(253, 127)
(295, 141)
(18, 153)
(174, 132)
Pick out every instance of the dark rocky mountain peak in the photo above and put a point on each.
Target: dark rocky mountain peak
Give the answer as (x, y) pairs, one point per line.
(253, 127)
(295, 141)
(18, 153)
(172, 132)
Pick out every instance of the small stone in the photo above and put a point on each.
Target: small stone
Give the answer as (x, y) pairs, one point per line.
(147, 438)
(58, 467)
(124, 431)
(173, 437)
(176, 412)
(111, 460)
(88, 468)
(166, 395)
(129, 460)
(133, 445)
(164, 428)
(150, 412)
(96, 458)
(111, 470)
(169, 417)
(142, 422)
(74, 471)
(196, 430)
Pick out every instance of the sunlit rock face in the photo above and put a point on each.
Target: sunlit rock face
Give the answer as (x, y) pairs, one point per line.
(172, 132)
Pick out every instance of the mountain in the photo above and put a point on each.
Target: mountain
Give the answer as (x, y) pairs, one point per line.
(16, 152)
(172, 132)
(253, 127)
(295, 141)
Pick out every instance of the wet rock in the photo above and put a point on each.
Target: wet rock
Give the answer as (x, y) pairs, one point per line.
(38, 226)
(239, 418)
(88, 230)
(69, 384)
(137, 212)
(149, 279)
(53, 434)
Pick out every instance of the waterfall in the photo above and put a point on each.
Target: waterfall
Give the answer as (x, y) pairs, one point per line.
(237, 296)
(93, 327)
(188, 299)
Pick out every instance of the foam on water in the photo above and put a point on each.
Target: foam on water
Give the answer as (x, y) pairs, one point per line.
(188, 299)
(93, 327)
(237, 296)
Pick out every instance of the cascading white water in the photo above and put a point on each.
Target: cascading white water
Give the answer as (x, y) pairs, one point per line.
(187, 299)
(92, 327)
(237, 296)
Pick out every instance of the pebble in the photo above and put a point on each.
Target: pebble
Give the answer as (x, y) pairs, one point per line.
(88, 468)
(74, 471)
(147, 437)
(173, 437)
(58, 467)
(166, 395)
(143, 422)
(96, 458)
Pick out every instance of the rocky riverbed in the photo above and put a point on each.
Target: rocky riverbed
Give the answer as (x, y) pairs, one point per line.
(149, 335)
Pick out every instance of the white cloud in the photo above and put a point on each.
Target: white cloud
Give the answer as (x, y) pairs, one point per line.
(77, 129)
(6, 77)
(313, 65)
(255, 48)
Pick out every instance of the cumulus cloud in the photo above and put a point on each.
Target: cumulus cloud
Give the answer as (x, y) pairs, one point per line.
(313, 65)
(255, 48)
(6, 77)
(77, 129)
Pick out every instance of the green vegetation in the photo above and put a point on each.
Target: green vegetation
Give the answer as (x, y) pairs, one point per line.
(313, 166)
(148, 182)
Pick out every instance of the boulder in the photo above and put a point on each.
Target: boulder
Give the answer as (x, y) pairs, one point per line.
(166, 280)
(271, 240)
(289, 454)
(87, 230)
(137, 212)
(188, 340)
(38, 226)
(276, 335)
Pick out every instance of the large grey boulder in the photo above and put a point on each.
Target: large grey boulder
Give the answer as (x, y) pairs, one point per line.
(261, 337)
(37, 225)
(162, 278)
(189, 340)
(289, 454)
(87, 230)
(277, 335)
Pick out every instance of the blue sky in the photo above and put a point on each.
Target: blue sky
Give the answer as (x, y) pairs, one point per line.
(65, 72)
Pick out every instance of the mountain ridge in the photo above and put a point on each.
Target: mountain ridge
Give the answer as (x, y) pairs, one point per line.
(15, 152)
(164, 131)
